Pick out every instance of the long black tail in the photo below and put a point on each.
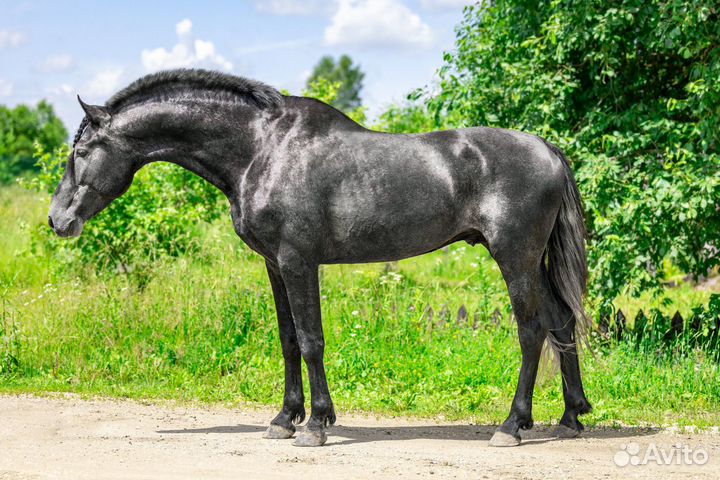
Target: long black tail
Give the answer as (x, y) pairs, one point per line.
(567, 262)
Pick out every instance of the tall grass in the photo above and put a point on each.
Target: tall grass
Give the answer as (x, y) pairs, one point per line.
(203, 327)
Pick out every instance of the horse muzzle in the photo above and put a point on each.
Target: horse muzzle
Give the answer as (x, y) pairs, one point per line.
(67, 227)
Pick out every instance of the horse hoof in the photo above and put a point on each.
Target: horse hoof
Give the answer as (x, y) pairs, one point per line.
(311, 438)
(278, 432)
(502, 439)
(563, 431)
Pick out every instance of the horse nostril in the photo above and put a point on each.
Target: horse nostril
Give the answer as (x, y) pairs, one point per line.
(50, 222)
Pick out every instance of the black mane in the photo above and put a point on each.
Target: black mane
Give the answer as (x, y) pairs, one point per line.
(262, 95)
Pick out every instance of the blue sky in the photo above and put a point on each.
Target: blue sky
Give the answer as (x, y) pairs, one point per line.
(57, 49)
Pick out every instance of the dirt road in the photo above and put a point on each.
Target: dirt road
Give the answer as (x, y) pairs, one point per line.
(70, 438)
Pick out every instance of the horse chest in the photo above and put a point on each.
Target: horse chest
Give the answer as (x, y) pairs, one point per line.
(255, 228)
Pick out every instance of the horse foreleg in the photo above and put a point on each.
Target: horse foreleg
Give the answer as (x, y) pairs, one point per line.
(293, 409)
(301, 282)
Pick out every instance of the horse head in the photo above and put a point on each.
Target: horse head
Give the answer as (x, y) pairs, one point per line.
(100, 168)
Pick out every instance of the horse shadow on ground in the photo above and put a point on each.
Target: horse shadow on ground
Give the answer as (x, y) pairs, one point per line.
(347, 435)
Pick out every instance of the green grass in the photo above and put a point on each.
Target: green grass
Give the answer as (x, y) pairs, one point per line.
(203, 328)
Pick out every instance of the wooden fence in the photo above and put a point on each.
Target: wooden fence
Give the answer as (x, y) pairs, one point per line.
(616, 327)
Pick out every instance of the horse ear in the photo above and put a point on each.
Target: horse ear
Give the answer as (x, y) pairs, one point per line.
(97, 114)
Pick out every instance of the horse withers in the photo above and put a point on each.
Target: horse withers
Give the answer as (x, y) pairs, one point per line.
(308, 186)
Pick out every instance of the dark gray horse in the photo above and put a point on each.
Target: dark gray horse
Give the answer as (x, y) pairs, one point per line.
(308, 186)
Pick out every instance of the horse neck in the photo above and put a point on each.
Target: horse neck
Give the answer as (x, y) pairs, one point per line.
(214, 141)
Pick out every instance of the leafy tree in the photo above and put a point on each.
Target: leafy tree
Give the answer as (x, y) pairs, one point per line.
(630, 91)
(348, 76)
(20, 127)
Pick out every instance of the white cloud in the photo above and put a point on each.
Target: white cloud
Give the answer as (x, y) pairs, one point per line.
(6, 88)
(57, 63)
(188, 52)
(104, 82)
(11, 39)
(446, 4)
(378, 23)
(183, 27)
(296, 7)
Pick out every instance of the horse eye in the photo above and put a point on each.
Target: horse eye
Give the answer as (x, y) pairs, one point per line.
(81, 152)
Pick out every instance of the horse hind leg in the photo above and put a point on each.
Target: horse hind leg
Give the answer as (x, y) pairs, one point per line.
(524, 286)
(560, 323)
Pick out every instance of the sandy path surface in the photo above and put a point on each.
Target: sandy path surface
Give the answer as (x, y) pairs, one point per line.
(70, 438)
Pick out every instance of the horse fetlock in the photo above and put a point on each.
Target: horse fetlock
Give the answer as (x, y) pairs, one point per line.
(578, 402)
(520, 418)
(526, 424)
(289, 417)
(330, 418)
(570, 420)
(329, 421)
(299, 416)
(584, 407)
(321, 421)
(323, 409)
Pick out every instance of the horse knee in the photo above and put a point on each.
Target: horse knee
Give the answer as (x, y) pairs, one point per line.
(290, 346)
(312, 349)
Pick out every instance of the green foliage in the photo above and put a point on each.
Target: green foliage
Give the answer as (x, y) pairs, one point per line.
(327, 91)
(20, 127)
(630, 91)
(155, 218)
(409, 117)
(706, 323)
(347, 76)
(9, 343)
(322, 89)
